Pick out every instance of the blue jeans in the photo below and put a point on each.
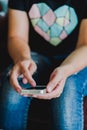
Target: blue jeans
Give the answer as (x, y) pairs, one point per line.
(66, 112)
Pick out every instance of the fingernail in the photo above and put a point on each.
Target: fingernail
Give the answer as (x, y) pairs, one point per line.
(33, 83)
(24, 80)
(49, 89)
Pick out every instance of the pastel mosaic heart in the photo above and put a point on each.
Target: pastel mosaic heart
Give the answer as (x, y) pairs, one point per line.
(53, 26)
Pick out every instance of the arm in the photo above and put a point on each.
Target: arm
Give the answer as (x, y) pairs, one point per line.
(77, 59)
(19, 49)
(73, 63)
(18, 35)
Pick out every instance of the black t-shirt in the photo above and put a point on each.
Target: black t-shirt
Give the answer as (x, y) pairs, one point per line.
(54, 24)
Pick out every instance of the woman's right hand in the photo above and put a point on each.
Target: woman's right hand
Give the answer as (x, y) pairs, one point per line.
(26, 67)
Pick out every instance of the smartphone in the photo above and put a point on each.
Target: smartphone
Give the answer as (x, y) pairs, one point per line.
(39, 89)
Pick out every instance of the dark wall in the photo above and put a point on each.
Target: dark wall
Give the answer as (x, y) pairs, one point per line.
(4, 57)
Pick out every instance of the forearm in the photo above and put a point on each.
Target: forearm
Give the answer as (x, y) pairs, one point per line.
(75, 61)
(18, 49)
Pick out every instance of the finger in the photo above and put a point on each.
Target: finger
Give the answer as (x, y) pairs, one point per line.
(32, 68)
(58, 89)
(28, 77)
(24, 80)
(14, 82)
(53, 82)
(46, 96)
(54, 94)
(42, 96)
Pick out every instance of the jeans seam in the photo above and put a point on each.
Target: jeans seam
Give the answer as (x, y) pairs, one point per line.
(84, 86)
(26, 115)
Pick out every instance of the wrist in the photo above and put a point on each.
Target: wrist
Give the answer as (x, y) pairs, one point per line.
(21, 58)
(68, 69)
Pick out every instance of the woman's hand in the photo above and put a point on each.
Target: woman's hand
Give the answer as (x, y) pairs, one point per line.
(26, 67)
(56, 84)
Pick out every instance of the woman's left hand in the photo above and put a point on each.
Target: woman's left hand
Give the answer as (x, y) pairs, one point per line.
(56, 84)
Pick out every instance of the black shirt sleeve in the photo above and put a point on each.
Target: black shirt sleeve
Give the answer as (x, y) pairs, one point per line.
(17, 4)
(85, 10)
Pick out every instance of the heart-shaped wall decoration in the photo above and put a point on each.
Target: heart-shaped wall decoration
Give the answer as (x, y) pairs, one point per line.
(53, 26)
